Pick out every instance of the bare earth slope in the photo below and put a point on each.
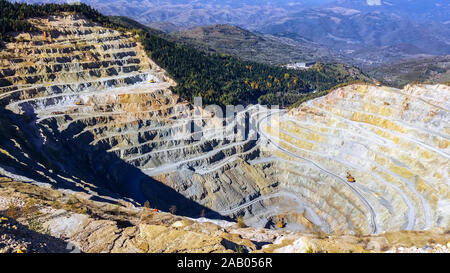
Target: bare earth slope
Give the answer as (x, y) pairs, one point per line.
(61, 221)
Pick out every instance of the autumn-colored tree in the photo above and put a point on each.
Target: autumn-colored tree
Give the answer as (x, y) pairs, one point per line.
(277, 81)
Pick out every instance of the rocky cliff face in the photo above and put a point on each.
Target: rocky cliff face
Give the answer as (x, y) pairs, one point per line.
(36, 219)
(95, 113)
(84, 108)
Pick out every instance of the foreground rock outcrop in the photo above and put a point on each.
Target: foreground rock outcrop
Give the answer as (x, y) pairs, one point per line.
(48, 220)
(84, 110)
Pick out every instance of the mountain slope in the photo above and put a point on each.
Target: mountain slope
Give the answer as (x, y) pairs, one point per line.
(431, 69)
(250, 46)
(217, 78)
(188, 13)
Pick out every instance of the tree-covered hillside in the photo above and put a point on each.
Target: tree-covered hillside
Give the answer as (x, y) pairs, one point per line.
(434, 69)
(13, 15)
(218, 79)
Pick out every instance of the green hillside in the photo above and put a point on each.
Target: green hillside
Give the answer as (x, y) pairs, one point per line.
(217, 78)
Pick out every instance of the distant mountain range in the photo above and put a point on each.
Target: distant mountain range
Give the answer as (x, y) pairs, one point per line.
(190, 13)
(254, 12)
(425, 10)
(351, 30)
(363, 32)
(283, 50)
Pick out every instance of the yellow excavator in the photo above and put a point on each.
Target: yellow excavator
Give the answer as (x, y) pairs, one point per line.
(350, 178)
(280, 223)
(78, 103)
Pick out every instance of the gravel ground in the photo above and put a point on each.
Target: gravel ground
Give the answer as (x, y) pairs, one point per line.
(17, 238)
(5, 202)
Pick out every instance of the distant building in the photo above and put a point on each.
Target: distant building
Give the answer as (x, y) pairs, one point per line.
(300, 65)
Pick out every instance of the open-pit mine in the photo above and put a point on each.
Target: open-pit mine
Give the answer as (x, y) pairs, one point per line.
(83, 108)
